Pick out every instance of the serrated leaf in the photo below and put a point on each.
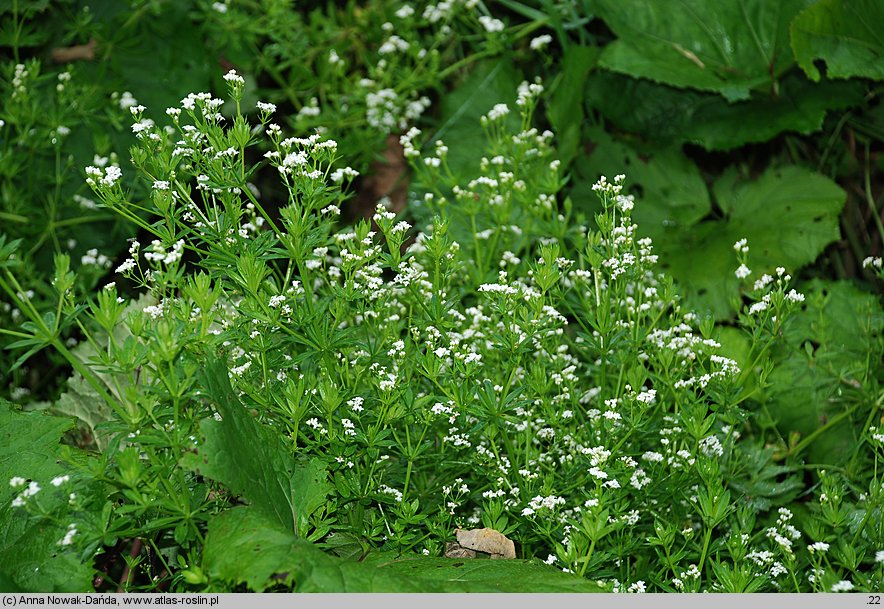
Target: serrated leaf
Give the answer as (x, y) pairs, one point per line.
(728, 47)
(242, 546)
(789, 216)
(29, 552)
(846, 35)
(666, 114)
(252, 461)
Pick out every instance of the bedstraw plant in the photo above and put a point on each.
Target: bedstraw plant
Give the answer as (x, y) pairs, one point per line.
(370, 388)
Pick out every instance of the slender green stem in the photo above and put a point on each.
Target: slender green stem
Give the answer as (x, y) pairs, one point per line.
(821, 430)
(873, 208)
(707, 537)
(587, 557)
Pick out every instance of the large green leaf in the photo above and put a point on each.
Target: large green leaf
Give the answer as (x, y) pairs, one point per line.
(251, 460)
(667, 114)
(242, 546)
(788, 215)
(490, 83)
(669, 186)
(729, 47)
(29, 552)
(828, 347)
(848, 36)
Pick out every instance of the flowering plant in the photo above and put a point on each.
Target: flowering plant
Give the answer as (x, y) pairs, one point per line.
(507, 366)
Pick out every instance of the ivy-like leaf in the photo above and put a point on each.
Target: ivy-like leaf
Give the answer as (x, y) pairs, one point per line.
(252, 461)
(846, 35)
(728, 47)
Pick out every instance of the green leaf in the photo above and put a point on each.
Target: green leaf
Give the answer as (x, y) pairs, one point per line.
(829, 343)
(728, 47)
(29, 550)
(667, 114)
(490, 83)
(565, 108)
(846, 35)
(160, 60)
(242, 546)
(789, 216)
(82, 401)
(762, 482)
(251, 460)
(669, 186)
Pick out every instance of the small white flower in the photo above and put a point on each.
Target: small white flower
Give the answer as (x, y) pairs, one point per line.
(540, 42)
(742, 272)
(58, 481)
(234, 78)
(491, 24)
(842, 586)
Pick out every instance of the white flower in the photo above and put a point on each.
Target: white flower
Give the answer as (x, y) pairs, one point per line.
(742, 272)
(638, 587)
(17, 481)
(69, 536)
(498, 111)
(879, 556)
(234, 78)
(795, 296)
(540, 42)
(58, 481)
(490, 24)
(842, 586)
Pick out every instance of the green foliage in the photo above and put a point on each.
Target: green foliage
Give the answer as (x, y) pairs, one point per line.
(698, 251)
(31, 556)
(665, 114)
(832, 359)
(243, 547)
(251, 461)
(845, 35)
(277, 397)
(729, 47)
(487, 84)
